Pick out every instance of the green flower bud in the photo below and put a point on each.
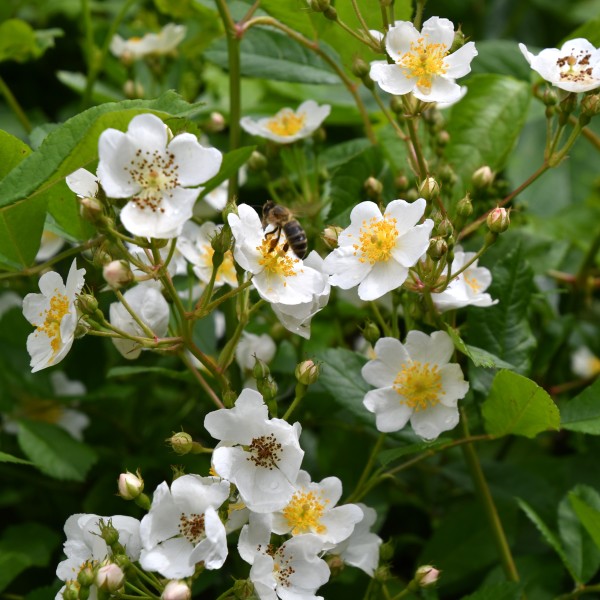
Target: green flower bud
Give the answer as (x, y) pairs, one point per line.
(257, 161)
(445, 228)
(87, 304)
(108, 533)
(181, 443)
(397, 105)
(360, 68)
(438, 247)
(429, 189)
(458, 42)
(319, 5)
(260, 370)
(86, 575)
(307, 372)
(330, 236)
(498, 220)
(464, 207)
(330, 13)
(268, 388)
(483, 178)
(590, 105)
(373, 187)
(371, 332)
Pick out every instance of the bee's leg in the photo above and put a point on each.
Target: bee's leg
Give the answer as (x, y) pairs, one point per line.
(275, 240)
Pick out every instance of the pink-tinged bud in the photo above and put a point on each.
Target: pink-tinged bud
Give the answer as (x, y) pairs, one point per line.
(176, 590)
(117, 274)
(130, 485)
(307, 372)
(110, 578)
(498, 220)
(426, 575)
(215, 123)
(483, 177)
(330, 236)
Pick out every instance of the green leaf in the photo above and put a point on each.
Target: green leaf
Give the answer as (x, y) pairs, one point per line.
(548, 535)
(480, 357)
(17, 41)
(341, 377)
(54, 451)
(133, 371)
(507, 590)
(579, 547)
(64, 207)
(516, 405)
(588, 515)
(486, 123)
(272, 55)
(23, 546)
(582, 413)
(232, 162)
(9, 458)
(20, 227)
(75, 144)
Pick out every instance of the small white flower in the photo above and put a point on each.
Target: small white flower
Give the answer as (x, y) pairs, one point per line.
(376, 251)
(163, 42)
(287, 125)
(297, 317)
(313, 509)
(54, 314)
(573, 68)
(278, 276)
(253, 346)
(50, 245)
(585, 363)
(261, 456)
(361, 549)
(183, 527)
(423, 63)
(156, 174)
(84, 543)
(468, 289)
(83, 183)
(149, 305)
(415, 382)
(194, 243)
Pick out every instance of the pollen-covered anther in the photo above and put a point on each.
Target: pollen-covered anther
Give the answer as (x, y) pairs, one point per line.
(275, 260)
(424, 61)
(304, 511)
(282, 569)
(377, 240)
(59, 307)
(192, 527)
(265, 451)
(575, 67)
(420, 385)
(286, 123)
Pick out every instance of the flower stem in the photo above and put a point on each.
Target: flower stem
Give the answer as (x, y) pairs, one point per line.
(485, 497)
(14, 105)
(203, 383)
(360, 17)
(367, 469)
(419, 13)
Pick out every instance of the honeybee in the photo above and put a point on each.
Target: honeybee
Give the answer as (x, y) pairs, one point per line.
(282, 219)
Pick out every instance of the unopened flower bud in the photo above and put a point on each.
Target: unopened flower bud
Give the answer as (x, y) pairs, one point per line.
(330, 236)
(307, 372)
(330, 13)
(438, 247)
(371, 332)
(549, 97)
(110, 578)
(257, 161)
(498, 220)
(483, 177)
(71, 591)
(220, 243)
(401, 182)
(443, 137)
(181, 443)
(426, 575)
(260, 369)
(230, 209)
(360, 68)
(176, 590)
(464, 207)
(336, 564)
(373, 187)
(397, 105)
(130, 485)
(444, 229)
(429, 189)
(132, 89)
(458, 42)
(590, 105)
(215, 123)
(268, 388)
(86, 575)
(87, 304)
(91, 209)
(108, 532)
(117, 274)
(319, 5)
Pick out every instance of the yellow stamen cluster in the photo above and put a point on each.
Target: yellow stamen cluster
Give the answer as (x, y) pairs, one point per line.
(38, 409)
(286, 123)
(424, 62)
(304, 511)
(59, 307)
(377, 240)
(420, 385)
(594, 365)
(275, 261)
(472, 283)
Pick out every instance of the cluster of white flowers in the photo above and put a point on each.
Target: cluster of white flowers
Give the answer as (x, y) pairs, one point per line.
(163, 42)
(189, 521)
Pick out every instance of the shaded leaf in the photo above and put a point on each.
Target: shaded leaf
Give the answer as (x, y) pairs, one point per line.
(508, 590)
(588, 515)
(582, 413)
(9, 458)
(480, 357)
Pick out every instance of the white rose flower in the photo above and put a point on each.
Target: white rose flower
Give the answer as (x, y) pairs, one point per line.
(261, 456)
(277, 275)
(361, 549)
(415, 382)
(287, 125)
(297, 317)
(376, 251)
(183, 528)
(156, 174)
(573, 68)
(423, 63)
(54, 314)
(152, 309)
(253, 346)
(162, 42)
(468, 289)
(194, 244)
